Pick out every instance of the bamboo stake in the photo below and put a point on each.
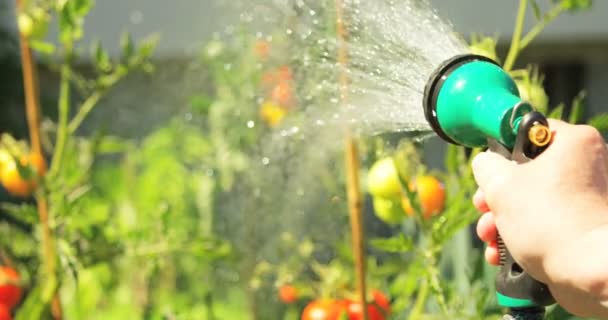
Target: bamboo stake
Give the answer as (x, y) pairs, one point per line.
(32, 109)
(355, 201)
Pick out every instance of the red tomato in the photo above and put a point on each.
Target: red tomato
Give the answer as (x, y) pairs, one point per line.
(382, 301)
(10, 293)
(323, 310)
(5, 313)
(355, 312)
(288, 294)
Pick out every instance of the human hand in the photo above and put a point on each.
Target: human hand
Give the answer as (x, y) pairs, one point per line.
(552, 214)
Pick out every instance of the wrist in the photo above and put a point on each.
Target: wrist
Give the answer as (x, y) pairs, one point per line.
(582, 265)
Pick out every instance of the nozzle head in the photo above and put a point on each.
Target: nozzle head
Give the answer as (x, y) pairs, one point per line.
(435, 83)
(470, 98)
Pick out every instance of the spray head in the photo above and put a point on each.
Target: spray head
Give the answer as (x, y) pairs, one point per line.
(470, 99)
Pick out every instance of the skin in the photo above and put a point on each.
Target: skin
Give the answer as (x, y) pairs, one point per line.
(552, 213)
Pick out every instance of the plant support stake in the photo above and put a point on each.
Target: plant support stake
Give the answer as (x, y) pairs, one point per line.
(32, 109)
(355, 201)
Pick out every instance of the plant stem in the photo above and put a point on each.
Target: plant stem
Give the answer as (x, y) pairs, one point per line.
(538, 28)
(355, 201)
(515, 49)
(62, 126)
(32, 106)
(84, 110)
(421, 298)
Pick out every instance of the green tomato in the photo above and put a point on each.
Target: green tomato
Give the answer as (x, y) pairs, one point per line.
(26, 24)
(383, 179)
(388, 210)
(35, 24)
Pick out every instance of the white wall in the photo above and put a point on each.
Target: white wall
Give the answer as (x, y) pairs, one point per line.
(186, 23)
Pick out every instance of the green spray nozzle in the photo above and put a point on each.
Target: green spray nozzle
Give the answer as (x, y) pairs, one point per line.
(469, 99)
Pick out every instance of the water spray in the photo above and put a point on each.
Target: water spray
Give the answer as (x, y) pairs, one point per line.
(470, 100)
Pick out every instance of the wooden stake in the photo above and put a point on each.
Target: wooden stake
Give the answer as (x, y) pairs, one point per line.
(351, 157)
(32, 109)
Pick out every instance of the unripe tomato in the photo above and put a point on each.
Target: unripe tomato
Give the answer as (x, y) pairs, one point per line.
(5, 313)
(288, 294)
(272, 114)
(38, 162)
(388, 210)
(10, 292)
(324, 309)
(383, 179)
(26, 24)
(11, 178)
(431, 195)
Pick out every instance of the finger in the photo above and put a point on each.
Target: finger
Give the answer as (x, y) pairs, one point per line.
(479, 201)
(558, 125)
(490, 170)
(486, 228)
(491, 254)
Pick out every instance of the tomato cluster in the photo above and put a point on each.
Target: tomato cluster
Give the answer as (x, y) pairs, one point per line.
(20, 179)
(346, 309)
(391, 203)
(10, 291)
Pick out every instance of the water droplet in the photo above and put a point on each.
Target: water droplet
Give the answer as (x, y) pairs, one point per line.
(265, 161)
(137, 17)
(289, 31)
(250, 124)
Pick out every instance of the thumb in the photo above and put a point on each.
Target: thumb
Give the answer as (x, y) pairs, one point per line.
(491, 170)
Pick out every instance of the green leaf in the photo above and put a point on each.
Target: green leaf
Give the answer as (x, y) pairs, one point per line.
(100, 57)
(109, 145)
(399, 244)
(536, 8)
(147, 46)
(42, 46)
(577, 112)
(36, 306)
(127, 47)
(600, 122)
(557, 113)
(576, 5)
(81, 7)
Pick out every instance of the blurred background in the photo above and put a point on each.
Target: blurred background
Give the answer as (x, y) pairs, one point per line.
(185, 194)
(571, 52)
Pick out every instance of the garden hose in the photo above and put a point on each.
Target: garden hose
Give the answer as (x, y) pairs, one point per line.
(469, 100)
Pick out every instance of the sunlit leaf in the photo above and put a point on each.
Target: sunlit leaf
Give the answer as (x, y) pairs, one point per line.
(399, 244)
(557, 113)
(600, 122)
(578, 109)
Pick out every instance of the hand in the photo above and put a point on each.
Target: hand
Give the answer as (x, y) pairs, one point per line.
(552, 214)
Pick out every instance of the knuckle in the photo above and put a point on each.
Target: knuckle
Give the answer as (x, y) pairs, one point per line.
(589, 135)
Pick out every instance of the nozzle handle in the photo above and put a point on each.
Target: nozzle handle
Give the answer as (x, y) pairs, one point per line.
(515, 288)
